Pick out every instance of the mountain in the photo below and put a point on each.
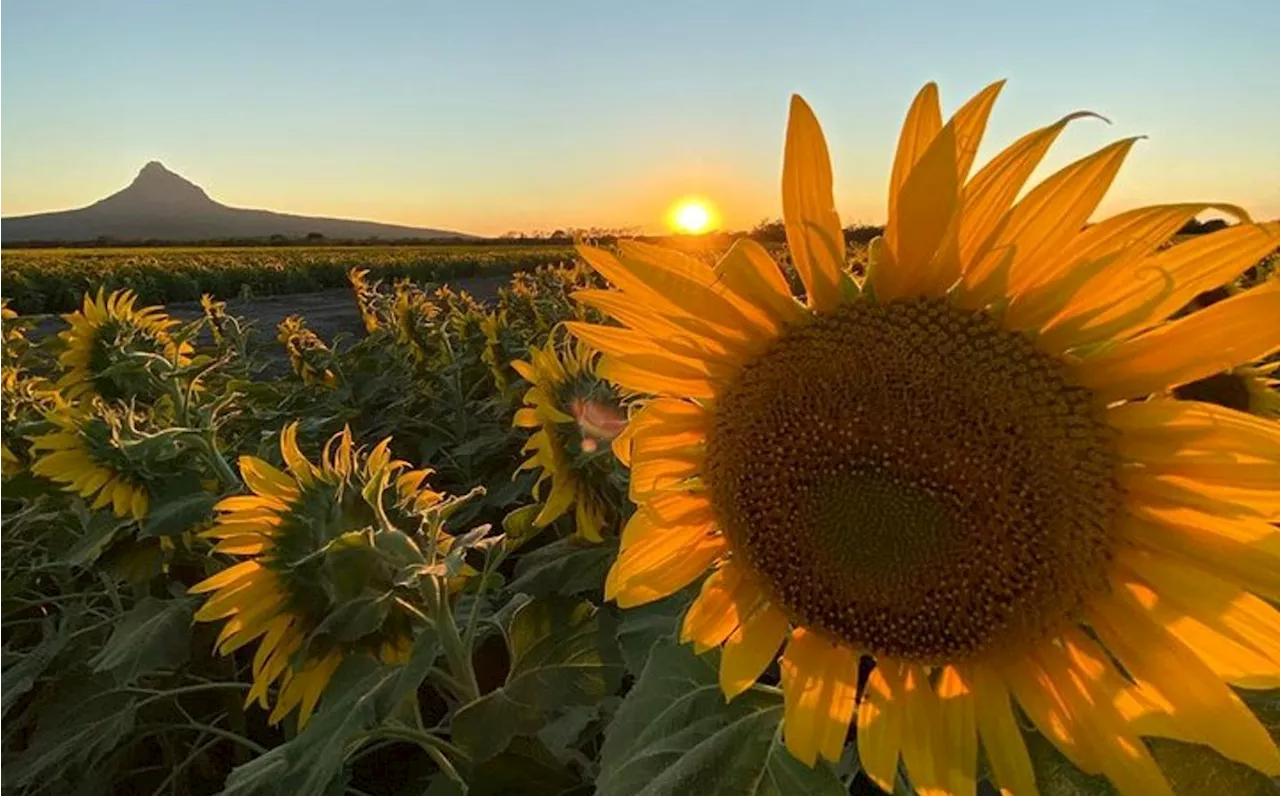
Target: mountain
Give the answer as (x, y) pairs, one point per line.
(161, 205)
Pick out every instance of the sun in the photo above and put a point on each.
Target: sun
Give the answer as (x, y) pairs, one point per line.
(691, 216)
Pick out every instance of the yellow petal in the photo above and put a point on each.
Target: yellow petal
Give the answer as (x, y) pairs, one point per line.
(921, 754)
(923, 122)
(814, 235)
(1243, 550)
(750, 650)
(1002, 741)
(654, 471)
(728, 596)
(1044, 701)
(227, 576)
(926, 205)
(266, 480)
(1166, 670)
(643, 318)
(1228, 659)
(661, 563)
(958, 733)
(1230, 500)
(1053, 213)
(988, 196)
(1231, 332)
(749, 271)
(882, 720)
(819, 684)
(1164, 430)
(297, 463)
(558, 502)
(658, 376)
(1133, 294)
(317, 679)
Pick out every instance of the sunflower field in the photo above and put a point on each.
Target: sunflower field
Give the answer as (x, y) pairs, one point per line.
(978, 510)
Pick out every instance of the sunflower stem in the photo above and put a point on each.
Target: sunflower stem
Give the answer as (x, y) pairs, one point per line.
(459, 656)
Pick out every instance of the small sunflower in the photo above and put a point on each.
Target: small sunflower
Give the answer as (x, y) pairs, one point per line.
(316, 548)
(1247, 388)
(368, 299)
(958, 466)
(84, 454)
(579, 439)
(215, 313)
(307, 352)
(103, 335)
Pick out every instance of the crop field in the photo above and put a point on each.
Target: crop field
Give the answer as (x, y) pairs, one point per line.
(53, 280)
(382, 572)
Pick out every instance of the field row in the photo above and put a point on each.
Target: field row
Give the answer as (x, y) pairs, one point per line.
(53, 280)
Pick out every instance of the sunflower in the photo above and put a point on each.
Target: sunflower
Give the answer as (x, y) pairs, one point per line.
(958, 466)
(1247, 388)
(307, 352)
(580, 425)
(315, 550)
(103, 336)
(84, 454)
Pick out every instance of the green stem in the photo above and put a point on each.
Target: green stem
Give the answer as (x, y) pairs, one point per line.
(459, 657)
(155, 695)
(219, 464)
(491, 561)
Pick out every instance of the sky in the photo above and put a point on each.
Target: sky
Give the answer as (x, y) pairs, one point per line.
(488, 116)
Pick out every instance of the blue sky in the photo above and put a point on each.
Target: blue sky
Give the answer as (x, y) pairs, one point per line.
(489, 116)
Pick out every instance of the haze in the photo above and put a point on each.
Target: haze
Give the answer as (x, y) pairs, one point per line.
(489, 117)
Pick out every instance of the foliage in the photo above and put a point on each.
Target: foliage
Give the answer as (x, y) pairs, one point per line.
(516, 677)
(53, 280)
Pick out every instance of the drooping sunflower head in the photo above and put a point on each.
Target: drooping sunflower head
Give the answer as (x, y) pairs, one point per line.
(322, 545)
(308, 355)
(414, 314)
(579, 422)
(957, 465)
(111, 346)
(89, 456)
(215, 314)
(368, 299)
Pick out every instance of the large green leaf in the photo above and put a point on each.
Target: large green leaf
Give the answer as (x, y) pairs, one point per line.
(155, 634)
(84, 721)
(22, 670)
(362, 694)
(180, 504)
(675, 734)
(565, 566)
(642, 627)
(563, 653)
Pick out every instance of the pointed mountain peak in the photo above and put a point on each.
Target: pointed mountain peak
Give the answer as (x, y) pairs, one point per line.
(156, 185)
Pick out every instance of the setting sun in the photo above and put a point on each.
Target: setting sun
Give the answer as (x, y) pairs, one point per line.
(691, 216)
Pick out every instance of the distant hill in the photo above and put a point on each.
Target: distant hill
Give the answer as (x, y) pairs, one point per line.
(160, 205)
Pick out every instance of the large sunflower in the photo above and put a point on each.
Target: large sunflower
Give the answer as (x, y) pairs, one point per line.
(106, 330)
(317, 556)
(579, 437)
(84, 455)
(956, 468)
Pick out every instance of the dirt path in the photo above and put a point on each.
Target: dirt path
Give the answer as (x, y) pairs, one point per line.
(327, 312)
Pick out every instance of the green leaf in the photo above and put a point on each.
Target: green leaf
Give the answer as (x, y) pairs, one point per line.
(641, 627)
(1058, 776)
(566, 566)
(182, 504)
(356, 699)
(526, 768)
(1194, 769)
(21, 675)
(675, 734)
(355, 618)
(563, 653)
(79, 727)
(155, 634)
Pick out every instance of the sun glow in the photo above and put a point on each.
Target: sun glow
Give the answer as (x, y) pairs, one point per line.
(691, 216)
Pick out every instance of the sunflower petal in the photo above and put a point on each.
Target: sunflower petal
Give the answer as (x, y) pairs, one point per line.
(661, 563)
(728, 596)
(1231, 332)
(749, 650)
(819, 683)
(814, 235)
(882, 720)
(1002, 741)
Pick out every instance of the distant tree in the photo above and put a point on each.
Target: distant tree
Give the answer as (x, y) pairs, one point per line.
(1195, 227)
(315, 236)
(862, 233)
